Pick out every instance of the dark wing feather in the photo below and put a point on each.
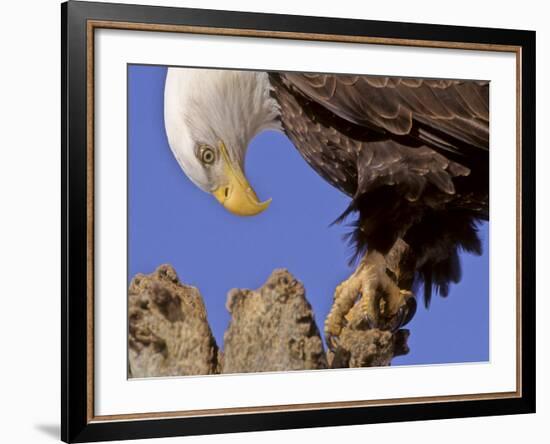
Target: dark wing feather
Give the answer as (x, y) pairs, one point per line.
(412, 154)
(453, 109)
(321, 114)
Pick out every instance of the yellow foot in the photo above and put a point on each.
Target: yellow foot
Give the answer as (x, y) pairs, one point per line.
(371, 298)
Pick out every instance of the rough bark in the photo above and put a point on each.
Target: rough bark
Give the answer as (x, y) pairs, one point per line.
(369, 347)
(168, 332)
(272, 329)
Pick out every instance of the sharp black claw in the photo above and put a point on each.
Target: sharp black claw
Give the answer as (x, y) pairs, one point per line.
(410, 311)
(399, 319)
(404, 314)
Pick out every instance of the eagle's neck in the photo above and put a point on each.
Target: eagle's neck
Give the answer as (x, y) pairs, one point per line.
(248, 108)
(256, 108)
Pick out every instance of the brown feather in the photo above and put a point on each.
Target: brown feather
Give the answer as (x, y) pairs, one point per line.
(412, 154)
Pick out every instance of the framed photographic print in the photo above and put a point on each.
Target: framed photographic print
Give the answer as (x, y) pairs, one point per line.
(276, 221)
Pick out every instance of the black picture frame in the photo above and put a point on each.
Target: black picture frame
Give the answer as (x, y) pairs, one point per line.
(77, 424)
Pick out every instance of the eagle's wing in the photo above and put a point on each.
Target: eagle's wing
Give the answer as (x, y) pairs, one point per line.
(412, 154)
(385, 131)
(436, 111)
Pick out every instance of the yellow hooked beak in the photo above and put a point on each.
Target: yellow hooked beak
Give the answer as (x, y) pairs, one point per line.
(237, 196)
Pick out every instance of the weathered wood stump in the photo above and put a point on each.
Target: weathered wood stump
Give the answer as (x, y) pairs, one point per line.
(272, 329)
(168, 333)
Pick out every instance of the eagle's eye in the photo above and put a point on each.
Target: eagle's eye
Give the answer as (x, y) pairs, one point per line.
(207, 155)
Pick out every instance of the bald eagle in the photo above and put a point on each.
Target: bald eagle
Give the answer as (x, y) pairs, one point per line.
(412, 154)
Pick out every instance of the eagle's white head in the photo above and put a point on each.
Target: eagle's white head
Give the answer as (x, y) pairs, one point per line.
(210, 118)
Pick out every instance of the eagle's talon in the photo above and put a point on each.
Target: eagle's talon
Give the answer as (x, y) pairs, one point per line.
(398, 319)
(409, 310)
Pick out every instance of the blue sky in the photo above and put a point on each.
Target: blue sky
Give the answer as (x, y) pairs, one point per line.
(172, 221)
